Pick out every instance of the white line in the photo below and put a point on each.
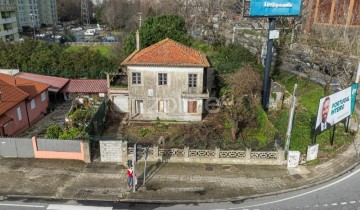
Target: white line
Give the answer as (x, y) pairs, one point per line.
(343, 203)
(352, 202)
(27, 206)
(75, 207)
(296, 196)
(334, 204)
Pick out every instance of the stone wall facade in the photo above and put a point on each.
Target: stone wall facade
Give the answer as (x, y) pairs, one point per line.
(113, 151)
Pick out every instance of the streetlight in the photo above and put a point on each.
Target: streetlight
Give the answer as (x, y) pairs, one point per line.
(33, 24)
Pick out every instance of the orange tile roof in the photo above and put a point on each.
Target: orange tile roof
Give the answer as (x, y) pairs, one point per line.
(28, 86)
(167, 53)
(10, 96)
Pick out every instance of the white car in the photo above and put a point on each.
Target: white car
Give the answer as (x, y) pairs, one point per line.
(77, 29)
(90, 32)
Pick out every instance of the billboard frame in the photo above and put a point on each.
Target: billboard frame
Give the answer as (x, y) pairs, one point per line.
(246, 6)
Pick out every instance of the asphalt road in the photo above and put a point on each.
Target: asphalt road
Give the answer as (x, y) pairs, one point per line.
(341, 193)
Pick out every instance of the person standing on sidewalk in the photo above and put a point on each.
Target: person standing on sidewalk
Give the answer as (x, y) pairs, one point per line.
(130, 177)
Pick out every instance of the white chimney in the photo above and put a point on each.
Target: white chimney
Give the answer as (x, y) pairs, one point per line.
(137, 40)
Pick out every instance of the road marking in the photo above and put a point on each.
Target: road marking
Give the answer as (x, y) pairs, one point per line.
(302, 194)
(343, 203)
(325, 205)
(334, 204)
(73, 207)
(26, 206)
(352, 202)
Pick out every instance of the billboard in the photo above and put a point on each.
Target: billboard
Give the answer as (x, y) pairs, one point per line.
(274, 8)
(334, 108)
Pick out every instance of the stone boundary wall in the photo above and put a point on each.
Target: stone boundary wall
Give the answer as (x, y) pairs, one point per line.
(91, 44)
(212, 156)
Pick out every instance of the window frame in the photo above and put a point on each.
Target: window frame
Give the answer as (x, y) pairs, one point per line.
(192, 80)
(162, 79)
(136, 78)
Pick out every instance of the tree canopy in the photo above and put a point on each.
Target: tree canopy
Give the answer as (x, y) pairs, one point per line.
(155, 29)
(50, 59)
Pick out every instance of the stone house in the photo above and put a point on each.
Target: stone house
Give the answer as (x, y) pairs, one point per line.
(166, 81)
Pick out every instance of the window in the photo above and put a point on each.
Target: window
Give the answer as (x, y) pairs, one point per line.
(43, 96)
(162, 79)
(32, 104)
(192, 106)
(136, 78)
(162, 106)
(19, 113)
(192, 80)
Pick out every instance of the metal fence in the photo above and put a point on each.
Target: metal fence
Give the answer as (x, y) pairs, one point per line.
(16, 147)
(56, 145)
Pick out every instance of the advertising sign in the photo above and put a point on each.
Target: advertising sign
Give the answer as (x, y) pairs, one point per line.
(293, 159)
(312, 152)
(334, 108)
(274, 8)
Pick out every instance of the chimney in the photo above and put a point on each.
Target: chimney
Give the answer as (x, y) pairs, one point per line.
(137, 40)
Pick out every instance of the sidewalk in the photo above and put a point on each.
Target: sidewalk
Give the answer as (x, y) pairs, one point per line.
(166, 182)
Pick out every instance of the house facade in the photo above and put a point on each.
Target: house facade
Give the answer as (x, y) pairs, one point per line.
(167, 81)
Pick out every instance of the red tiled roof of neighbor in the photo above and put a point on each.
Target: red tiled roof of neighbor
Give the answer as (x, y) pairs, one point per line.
(10, 96)
(56, 83)
(167, 53)
(86, 86)
(28, 86)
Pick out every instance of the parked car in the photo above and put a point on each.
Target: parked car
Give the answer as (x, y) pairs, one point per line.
(90, 32)
(77, 29)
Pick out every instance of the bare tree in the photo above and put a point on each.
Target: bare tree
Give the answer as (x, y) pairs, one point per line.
(244, 90)
(68, 10)
(120, 13)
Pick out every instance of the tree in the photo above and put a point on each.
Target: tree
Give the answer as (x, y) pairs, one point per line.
(155, 29)
(120, 13)
(228, 59)
(244, 89)
(69, 10)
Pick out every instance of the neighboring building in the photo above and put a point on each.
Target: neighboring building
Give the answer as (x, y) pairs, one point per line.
(24, 102)
(345, 13)
(33, 13)
(8, 21)
(86, 88)
(27, 13)
(167, 81)
(48, 12)
(55, 84)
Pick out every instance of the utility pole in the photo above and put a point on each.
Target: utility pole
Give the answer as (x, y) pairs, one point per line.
(33, 24)
(140, 19)
(266, 82)
(85, 12)
(134, 161)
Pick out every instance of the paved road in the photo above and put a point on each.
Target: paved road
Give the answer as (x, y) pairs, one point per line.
(341, 193)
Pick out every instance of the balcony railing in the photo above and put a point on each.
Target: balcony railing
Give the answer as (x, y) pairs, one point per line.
(8, 32)
(118, 89)
(7, 7)
(7, 20)
(195, 93)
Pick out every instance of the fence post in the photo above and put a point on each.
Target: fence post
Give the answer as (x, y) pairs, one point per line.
(186, 152)
(86, 149)
(280, 156)
(217, 152)
(156, 151)
(248, 154)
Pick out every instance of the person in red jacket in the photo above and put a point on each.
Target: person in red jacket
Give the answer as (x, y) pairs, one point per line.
(130, 177)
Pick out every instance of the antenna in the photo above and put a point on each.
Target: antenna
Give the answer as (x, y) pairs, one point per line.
(85, 12)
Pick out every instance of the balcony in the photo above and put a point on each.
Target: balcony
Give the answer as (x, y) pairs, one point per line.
(7, 20)
(7, 7)
(8, 32)
(122, 89)
(193, 93)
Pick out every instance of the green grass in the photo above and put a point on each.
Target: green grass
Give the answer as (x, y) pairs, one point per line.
(104, 50)
(309, 95)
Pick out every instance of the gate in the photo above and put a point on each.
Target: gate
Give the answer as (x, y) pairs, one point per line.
(16, 147)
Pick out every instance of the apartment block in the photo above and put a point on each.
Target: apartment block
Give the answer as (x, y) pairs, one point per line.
(48, 12)
(8, 21)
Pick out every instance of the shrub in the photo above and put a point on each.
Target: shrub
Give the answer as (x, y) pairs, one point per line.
(53, 132)
(143, 132)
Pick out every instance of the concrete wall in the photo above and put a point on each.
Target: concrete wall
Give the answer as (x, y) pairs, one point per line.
(113, 151)
(16, 147)
(151, 93)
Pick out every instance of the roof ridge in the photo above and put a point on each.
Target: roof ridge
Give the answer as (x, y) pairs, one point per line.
(178, 45)
(154, 46)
